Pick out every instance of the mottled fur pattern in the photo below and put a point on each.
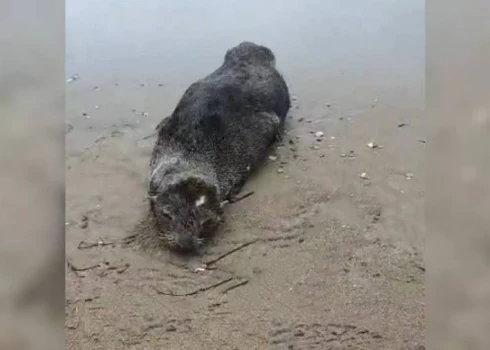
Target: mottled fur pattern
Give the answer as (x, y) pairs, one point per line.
(220, 130)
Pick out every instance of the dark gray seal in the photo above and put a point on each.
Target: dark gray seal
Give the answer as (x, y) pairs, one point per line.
(219, 132)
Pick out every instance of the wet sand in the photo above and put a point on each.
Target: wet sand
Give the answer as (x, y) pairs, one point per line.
(337, 261)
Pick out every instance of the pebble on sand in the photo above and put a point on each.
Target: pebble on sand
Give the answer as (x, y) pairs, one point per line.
(373, 145)
(351, 154)
(73, 78)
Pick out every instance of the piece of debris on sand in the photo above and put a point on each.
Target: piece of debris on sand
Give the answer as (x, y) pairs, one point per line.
(73, 78)
(373, 145)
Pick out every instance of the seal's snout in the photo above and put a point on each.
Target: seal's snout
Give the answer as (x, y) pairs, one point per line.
(187, 242)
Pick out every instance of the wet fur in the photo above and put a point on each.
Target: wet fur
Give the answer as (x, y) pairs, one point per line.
(219, 132)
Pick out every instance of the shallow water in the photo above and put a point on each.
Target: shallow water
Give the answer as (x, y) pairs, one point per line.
(136, 58)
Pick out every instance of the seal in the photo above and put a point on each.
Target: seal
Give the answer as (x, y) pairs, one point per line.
(220, 131)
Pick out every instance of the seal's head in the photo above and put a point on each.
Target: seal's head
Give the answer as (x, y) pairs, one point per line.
(186, 212)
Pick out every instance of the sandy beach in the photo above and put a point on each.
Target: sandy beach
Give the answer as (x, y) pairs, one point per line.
(335, 227)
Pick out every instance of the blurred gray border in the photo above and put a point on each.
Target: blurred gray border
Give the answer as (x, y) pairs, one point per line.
(458, 202)
(32, 174)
